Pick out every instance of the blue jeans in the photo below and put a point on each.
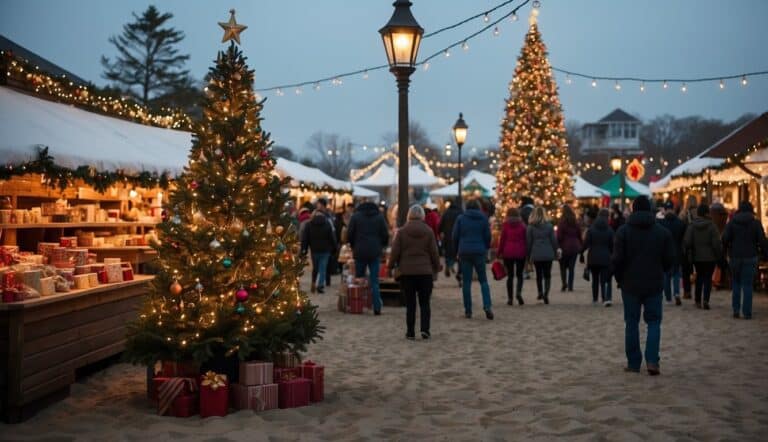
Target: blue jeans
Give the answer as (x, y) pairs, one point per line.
(373, 278)
(672, 282)
(468, 263)
(743, 270)
(651, 306)
(320, 263)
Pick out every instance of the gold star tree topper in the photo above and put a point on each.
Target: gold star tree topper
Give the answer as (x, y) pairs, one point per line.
(232, 30)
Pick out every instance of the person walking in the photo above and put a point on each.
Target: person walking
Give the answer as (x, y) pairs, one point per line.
(432, 218)
(414, 254)
(472, 236)
(319, 238)
(599, 244)
(368, 235)
(743, 238)
(642, 253)
(447, 221)
(512, 250)
(687, 215)
(704, 248)
(569, 241)
(541, 245)
(617, 217)
(526, 208)
(676, 228)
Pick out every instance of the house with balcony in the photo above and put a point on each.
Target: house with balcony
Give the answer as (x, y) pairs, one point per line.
(616, 132)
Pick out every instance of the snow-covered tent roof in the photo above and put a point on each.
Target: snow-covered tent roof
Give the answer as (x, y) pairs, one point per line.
(584, 189)
(482, 179)
(693, 166)
(301, 173)
(386, 176)
(362, 192)
(639, 187)
(76, 137)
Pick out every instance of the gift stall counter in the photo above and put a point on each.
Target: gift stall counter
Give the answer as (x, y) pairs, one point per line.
(43, 341)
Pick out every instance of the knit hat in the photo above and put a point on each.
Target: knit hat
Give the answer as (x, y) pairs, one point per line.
(641, 203)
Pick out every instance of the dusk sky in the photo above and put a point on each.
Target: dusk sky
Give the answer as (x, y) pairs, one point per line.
(298, 40)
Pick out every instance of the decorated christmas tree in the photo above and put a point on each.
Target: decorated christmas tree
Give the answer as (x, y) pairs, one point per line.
(533, 151)
(228, 278)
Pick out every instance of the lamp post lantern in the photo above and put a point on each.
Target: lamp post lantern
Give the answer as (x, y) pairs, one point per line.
(460, 135)
(617, 165)
(402, 36)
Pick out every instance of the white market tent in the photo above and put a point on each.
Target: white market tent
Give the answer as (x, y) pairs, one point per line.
(474, 177)
(584, 189)
(639, 187)
(362, 192)
(76, 137)
(693, 166)
(301, 173)
(386, 176)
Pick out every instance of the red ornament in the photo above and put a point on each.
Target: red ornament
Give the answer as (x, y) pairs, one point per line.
(193, 185)
(176, 288)
(264, 154)
(241, 295)
(254, 286)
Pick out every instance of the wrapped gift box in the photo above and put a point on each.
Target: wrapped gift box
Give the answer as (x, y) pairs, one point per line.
(254, 397)
(31, 278)
(355, 305)
(93, 279)
(127, 274)
(81, 281)
(176, 396)
(256, 373)
(68, 241)
(294, 393)
(282, 373)
(316, 374)
(114, 272)
(68, 275)
(214, 395)
(47, 286)
(286, 360)
(82, 270)
(8, 280)
(78, 257)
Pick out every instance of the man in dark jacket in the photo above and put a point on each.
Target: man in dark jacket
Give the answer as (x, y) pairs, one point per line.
(445, 228)
(599, 242)
(319, 237)
(676, 228)
(472, 236)
(742, 237)
(368, 235)
(642, 253)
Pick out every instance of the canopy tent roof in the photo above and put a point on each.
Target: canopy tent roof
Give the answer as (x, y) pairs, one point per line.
(584, 189)
(741, 139)
(76, 137)
(633, 190)
(300, 173)
(386, 176)
(695, 165)
(362, 192)
(474, 180)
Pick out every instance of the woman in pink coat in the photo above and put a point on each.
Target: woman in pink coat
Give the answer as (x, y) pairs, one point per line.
(512, 249)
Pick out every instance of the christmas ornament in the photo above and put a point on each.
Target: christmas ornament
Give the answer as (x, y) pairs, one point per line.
(280, 247)
(198, 217)
(262, 181)
(241, 294)
(254, 286)
(176, 288)
(215, 244)
(199, 287)
(232, 29)
(246, 233)
(279, 230)
(226, 262)
(176, 219)
(240, 309)
(218, 152)
(264, 154)
(193, 185)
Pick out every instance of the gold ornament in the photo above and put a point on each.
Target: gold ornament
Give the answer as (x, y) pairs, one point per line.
(176, 288)
(232, 30)
(262, 181)
(279, 230)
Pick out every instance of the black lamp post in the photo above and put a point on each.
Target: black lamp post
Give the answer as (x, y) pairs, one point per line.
(460, 135)
(617, 165)
(402, 36)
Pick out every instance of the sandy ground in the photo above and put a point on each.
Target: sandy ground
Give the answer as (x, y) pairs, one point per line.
(534, 373)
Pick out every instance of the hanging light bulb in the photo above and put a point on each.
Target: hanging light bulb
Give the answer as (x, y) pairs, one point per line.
(486, 17)
(465, 46)
(594, 83)
(665, 85)
(743, 80)
(298, 91)
(617, 86)
(496, 31)
(684, 88)
(722, 84)
(642, 86)
(279, 92)
(317, 86)
(447, 53)
(568, 79)
(426, 65)
(514, 17)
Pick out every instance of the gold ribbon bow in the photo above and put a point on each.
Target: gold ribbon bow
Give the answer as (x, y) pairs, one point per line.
(214, 380)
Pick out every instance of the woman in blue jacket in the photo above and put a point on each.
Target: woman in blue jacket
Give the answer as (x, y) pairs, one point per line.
(472, 237)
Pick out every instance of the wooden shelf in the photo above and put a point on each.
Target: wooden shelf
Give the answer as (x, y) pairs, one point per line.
(72, 294)
(75, 225)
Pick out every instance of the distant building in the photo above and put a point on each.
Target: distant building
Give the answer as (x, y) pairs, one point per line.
(617, 131)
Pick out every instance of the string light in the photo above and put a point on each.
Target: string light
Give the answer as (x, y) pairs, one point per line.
(684, 88)
(722, 84)
(486, 18)
(665, 85)
(514, 17)
(568, 79)
(743, 80)
(496, 31)
(642, 86)
(365, 75)
(594, 83)
(426, 66)
(447, 53)
(617, 86)
(465, 46)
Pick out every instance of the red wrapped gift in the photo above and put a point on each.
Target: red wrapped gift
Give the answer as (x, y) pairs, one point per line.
(169, 390)
(179, 369)
(294, 393)
(256, 373)
(316, 374)
(185, 405)
(254, 397)
(127, 274)
(214, 395)
(281, 373)
(9, 280)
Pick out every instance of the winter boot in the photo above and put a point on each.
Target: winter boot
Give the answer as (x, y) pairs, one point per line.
(519, 294)
(547, 284)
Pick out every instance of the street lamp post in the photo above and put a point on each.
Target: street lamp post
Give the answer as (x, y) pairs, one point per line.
(617, 165)
(460, 135)
(402, 36)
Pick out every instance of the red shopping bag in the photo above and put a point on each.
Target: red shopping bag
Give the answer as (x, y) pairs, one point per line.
(498, 270)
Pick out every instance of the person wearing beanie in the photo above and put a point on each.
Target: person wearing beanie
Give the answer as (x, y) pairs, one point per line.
(704, 249)
(742, 239)
(642, 253)
(676, 227)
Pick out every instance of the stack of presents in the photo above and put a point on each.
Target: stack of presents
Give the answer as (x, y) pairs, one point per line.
(179, 390)
(354, 293)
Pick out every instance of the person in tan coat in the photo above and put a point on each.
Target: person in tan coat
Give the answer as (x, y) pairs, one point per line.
(414, 256)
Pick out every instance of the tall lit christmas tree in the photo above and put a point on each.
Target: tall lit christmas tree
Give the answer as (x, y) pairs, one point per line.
(228, 281)
(533, 151)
